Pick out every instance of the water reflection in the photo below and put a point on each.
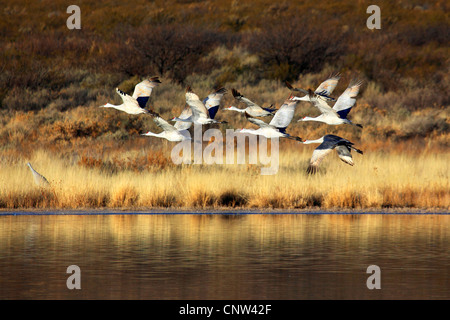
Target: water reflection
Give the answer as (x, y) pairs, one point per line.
(225, 256)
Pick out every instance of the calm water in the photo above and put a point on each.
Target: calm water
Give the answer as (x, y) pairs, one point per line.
(292, 256)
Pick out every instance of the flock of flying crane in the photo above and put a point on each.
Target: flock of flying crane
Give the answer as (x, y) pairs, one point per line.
(203, 112)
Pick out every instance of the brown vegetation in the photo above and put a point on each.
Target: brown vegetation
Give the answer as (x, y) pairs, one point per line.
(53, 79)
(378, 181)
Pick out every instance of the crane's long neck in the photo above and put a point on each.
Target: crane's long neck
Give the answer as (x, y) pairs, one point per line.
(313, 141)
(251, 131)
(118, 107)
(236, 109)
(304, 98)
(319, 118)
(189, 119)
(152, 134)
(31, 168)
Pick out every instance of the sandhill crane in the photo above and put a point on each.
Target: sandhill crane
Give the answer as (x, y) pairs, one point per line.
(143, 90)
(324, 89)
(170, 132)
(284, 115)
(200, 114)
(135, 104)
(252, 109)
(212, 101)
(327, 144)
(185, 114)
(267, 130)
(338, 114)
(39, 179)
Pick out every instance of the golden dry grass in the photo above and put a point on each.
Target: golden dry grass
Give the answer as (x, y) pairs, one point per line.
(376, 181)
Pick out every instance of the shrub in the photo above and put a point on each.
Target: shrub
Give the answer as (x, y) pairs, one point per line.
(289, 49)
(167, 50)
(232, 198)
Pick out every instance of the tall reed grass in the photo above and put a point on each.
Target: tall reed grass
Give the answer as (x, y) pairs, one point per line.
(376, 181)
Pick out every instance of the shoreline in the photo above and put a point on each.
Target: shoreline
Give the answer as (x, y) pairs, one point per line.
(218, 211)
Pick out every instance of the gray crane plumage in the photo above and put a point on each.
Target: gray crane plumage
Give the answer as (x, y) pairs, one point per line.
(39, 179)
(327, 144)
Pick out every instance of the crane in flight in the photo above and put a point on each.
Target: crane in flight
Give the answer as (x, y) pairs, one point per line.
(284, 115)
(135, 104)
(212, 104)
(324, 89)
(169, 131)
(212, 101)
(267, 130)
(338, 114)
(252, 108)
(200, 114)
(327, 144)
